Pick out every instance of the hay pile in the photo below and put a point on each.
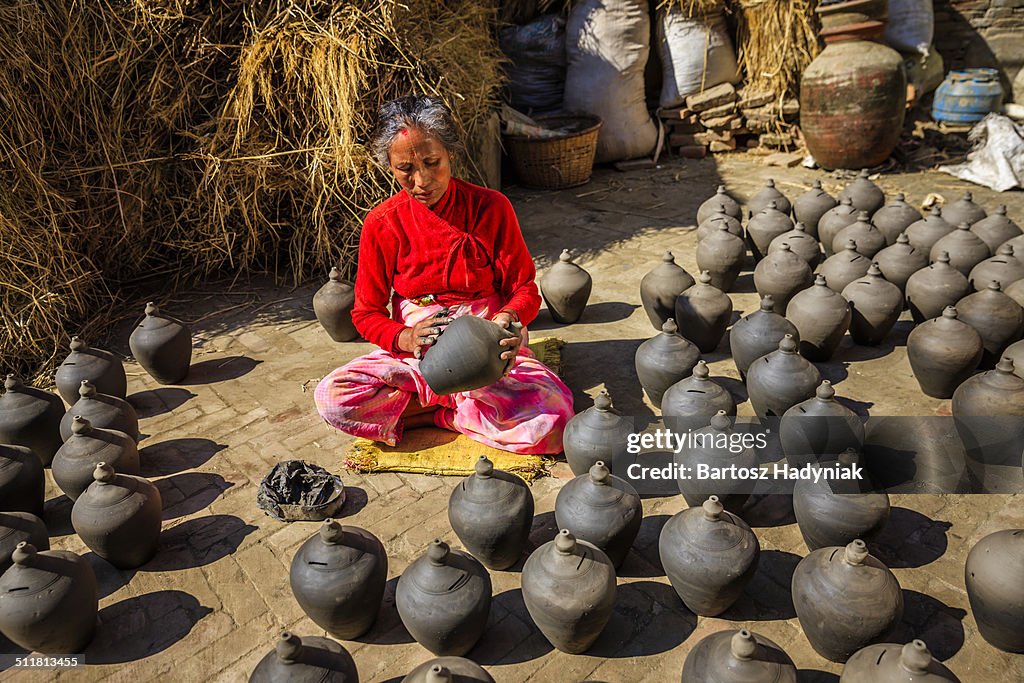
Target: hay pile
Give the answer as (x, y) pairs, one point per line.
(776, 40)
(150, 142)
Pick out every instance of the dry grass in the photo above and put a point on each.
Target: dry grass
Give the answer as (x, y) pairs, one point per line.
(694, 8)
(776, 40)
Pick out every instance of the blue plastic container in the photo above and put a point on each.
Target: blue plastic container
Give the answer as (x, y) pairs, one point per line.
(968, 96)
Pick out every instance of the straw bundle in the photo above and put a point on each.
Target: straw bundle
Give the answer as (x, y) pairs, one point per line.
(693, 8)
(777, 39)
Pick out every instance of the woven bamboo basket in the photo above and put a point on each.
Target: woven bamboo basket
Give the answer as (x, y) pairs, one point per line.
(560, 162)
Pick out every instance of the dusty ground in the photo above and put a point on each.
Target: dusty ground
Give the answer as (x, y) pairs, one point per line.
(212, 602)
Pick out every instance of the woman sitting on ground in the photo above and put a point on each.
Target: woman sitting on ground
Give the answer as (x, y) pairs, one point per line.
(439, 249)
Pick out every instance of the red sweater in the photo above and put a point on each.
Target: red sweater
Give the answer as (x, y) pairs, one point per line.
(468, 246)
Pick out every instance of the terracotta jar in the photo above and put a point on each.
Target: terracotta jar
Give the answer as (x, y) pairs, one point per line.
(781, 275)
(703, 312)
(20, 527)
(894, 218)
(466, 355)
(660, 287)
(444, 669)
(1004, 268)
(597, 433)
(119, 517)
(819, 428)
(22, 486)
(844, 267)
(926, 232)
(102, 412)
(738, 656)
(721, 254)
(566, 289)
(865, 195)
(965, 249)
(811, 206)
(899, 261)
(716, 219)
(76, 460)
(601, 509)
(821, 316)
(338, 578)
(722, 199)
(834, 220)
(162, 346)
(876, 306)
(894, 663)
(698, 397)
(778, 381)
(664, 360)
(491, 511)
(569, 591)
(800, 243)
(717, 448)
(867, 237)
(997, 229)
(765, 226)
(845, 599)
(333, 304)
(996, 317)
(765, 196)
(310, 659)
(994, 588)
(30, 417)
(930, 290)
(943, 352)
(102, 368)
(758, 334)
(964, 210)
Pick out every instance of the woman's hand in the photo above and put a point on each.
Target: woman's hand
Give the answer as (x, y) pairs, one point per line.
(417, 338)
(505, 319)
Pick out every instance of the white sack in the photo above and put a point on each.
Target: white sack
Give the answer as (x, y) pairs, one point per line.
(696, 54)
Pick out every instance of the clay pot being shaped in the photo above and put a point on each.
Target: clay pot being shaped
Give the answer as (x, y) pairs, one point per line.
(569, 591)
(899, 261)
(721, 254)
(821, 316)
(864, 194)
(964, 210)
(876, 306)
(845, 599)
(664, 360)
(338, 577)
(926, 232)
(660, 287)
(48, 601)
(119, 517)
(894, 663)
(965, 249)
(444, 598)
(868, 238)
(721, 199)
(819, 428)
(996, 229)
(162, 346)
(310, 659)
(76, 460)
(703, 313)
(778, 381)
(736, 656)
(20, 527)
(765, 226)
(758, 334)
(781, 275)
(30, 417)
(716, 220)
(22, 486)
(996, 317)
(333, 304)
(765, 196)
(716, 447)
(697, 397)
(491, 511)
(1016, 292)
(102, 368)
(995, 590)
(601, 509)
(800, 243)
(895, 217)
(811, 206)
(597, 433)
(102, 412)
(709, 555)
(1004, 268)
(930, 290)
(444, 669)
(566, 289)
(943, 352)
(834, 220)
(466, 355)
(844, 267)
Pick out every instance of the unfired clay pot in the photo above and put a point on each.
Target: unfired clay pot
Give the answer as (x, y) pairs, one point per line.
(844, 267)
(703, 313)
(894, 663)
(930, 290)
(996, 317)
(722, 199)
(819, 428)
(865, 195)
(102, 368)
(119, 517)
(765, 226)
(721, 254)
(102, 412)
(566, 289)
(162, 346)
(822, 317)
(333, 304)
(466, 355)
(943, 352)
(697, 397)
(811, 206)
(899, 261)
(664, 360)
(445, 669)
(30, 417)
(18, 527)
(597, 433)
(738, 657)
(601, 509)
(781, 275)
(758, 334)
(717, 447)
(965, 249)
(1004, 268)
(834, 220)
(310, 659)
(660, 287)
(876, 306)
(996, 229)
(75, 462)
(895, 217)
(867, 237)
(926, 232)
(778, 381)
(716, 220)
(994, 588)
(22, 485)
(964, 210)
(1016, 292)
(800, 243)
(765, 196)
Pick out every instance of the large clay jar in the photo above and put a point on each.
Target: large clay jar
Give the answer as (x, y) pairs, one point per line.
(930, 290)
(445, 669)
(996, 229)
(664, 360)
(597, 433)
(697, 397)
(660, 287)
(876, 306)
(845, 599)
(722, 199)
(22, 486)
(102, 412)
(466, 356)
(716, 447)
(444, 598)
(119, 517)
(709, 556)
(338, 577)
(717, 219)
(765, 226)
(310, 659)
(986, 413)
(491, 511)
(569, 591)
(48, 601)
(102, 368)
(926, 232)
(844, 267)
(1016, 292)
(76, 460)
(895, 217)
(333, 304)
(1004, 268)
(765, 196)
(997, 318)
(738, 657)
(566, 289)
(758, 334)
(867, 237)
(20, 527)
(965, 249)
(811, 206)
(781, 275)
(994, 588)
(778, 381)
(899, 261)
(821, 316)
(601, 509)
(30, 417)
(834, 220)
(964, 210)
(721, 254)
(894, 663)
(943, 352)
(998, 392)
(703, 313)
(800, 243)
(162, 346)
(864, 194)
(819, 428)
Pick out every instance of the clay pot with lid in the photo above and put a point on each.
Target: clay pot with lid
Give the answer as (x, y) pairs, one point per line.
(20, 527)
(765, 226)
(709, 556)
(845, 599)
(721, 254)
(844, 267)
(964, 210)
(778, 381)
(569, 591)
(738, 657)
(997, 229)
(466, 355)
(102, 412)
(22, 485)
(996, 317)
(995, 590)
(338, 577)
(811, 206)
(664, 360)
(894, 218)
(444, 599)
(965, 249)
(894, 663)
(163, 346)
(943, 352)
(119, 517)
(899, 261)
(445, 669)
(834, 220)
(601, 509)
(697, 397)
(566, 289)
(310, 659)
(867, 237)
(660, 287)
(765, 196)
(819, 428)
(88, 446)
(876, 306)
(716, 220)
(597, 433)
(491, 511)
(703, 312)
(821, 316)
(926, 232)
(48, 601)
(758, 334)
(1004, 268)
(333, 304)
(102, 368)
(722, 199)
(781, 275)
(800, 243)
(30, 417)
(930, 290)
(864, 194)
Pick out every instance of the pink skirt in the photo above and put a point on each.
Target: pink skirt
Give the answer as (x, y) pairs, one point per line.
(523, 412)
